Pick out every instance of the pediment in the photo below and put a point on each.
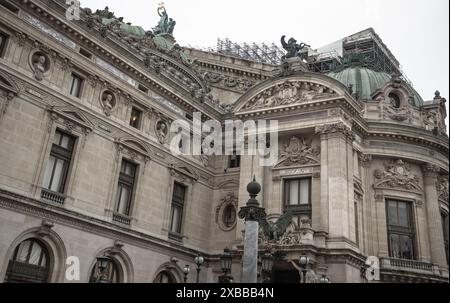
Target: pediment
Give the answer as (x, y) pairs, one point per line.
(8, 84)
(289, 92)
(185, 170)
(135, 145)
(73, 115)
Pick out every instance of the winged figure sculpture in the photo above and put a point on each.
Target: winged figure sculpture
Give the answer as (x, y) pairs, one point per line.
(273, 231)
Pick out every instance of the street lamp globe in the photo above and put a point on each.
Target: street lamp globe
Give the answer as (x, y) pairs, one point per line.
(186, 270)
(199, 260)
(304, 261)
(226, 260)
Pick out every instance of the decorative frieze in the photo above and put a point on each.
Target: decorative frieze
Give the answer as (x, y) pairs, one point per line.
(298, 152)
(442, 187)
(397, 174)
(289, 93)
(336, 128)
(229, 82)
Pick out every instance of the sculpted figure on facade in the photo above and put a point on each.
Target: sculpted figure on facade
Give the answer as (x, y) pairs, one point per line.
(273, 231)
(442, 187)
(397, 174)
(292, 47)
(289, 93)
(40, 65)
(108, 102)
(162, 130)
(298, 152)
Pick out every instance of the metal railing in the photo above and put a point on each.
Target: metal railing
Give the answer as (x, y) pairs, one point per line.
(24, 272)
(50, 196)
(407, 264)
(122, 219)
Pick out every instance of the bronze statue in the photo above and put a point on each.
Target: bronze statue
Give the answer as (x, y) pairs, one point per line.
(274, 231)
(165, 25)
(293, 49)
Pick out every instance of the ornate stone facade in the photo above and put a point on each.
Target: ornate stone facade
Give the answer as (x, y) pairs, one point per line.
(116, 89)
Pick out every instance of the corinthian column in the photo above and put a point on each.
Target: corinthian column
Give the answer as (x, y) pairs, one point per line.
(435, 231)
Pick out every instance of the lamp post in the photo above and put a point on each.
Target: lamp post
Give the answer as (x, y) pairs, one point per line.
(226, 261)
(266, 267)
(186, 271)
(252, 213)
(199, 260)
(304, 262)
(102, 265)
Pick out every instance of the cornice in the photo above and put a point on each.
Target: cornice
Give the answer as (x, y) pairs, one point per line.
(63, 216)
(108, 50)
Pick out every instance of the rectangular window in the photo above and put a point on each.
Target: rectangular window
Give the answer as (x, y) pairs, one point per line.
(401, 232)
(446, 232)
(76, 85)
(85, 53)
(55, 176)
(3, 42)
(235, 161)
(176, 215)
(297, 198)
(135, 119)
(125, 187)
(356, 224)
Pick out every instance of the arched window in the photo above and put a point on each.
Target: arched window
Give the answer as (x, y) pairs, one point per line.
(30, 263)
(165, 277)
(105, 271)
(229, 216)
(395, 100)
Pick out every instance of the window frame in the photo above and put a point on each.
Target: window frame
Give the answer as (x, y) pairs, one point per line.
(398, 230)
(135, 109)
(60, 153)
(445, 225)
(180, 205)
(128, 181)
(234, 163)
(79, 94)
(298, 210)
(3, 46)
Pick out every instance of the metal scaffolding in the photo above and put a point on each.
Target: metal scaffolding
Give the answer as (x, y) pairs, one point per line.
(263, 53)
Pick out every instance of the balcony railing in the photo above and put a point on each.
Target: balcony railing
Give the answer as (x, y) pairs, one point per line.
(50, 196)
(24, 272)
(121, 219)
(406, 264)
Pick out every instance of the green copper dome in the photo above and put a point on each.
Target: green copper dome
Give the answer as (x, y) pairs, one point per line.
(366, 81)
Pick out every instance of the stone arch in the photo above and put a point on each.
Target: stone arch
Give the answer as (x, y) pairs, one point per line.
(54, 245)
(172, 269)
(121, 259)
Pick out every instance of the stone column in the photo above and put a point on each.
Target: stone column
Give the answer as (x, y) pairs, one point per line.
(336, 142)
(367, 207)
(252, 214)
(435, 231)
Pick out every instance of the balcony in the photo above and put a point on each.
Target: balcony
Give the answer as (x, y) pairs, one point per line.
(23, 272)
(53, 197)
(121, 219)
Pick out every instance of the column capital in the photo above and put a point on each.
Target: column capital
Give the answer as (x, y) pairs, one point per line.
(365, 159)
(336, 128)
(430, 170)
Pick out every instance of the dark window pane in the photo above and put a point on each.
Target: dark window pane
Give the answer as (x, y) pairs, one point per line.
(135, 120)
(178, 197)
(3, 41)
(125, 187)
(55, 174)
(401, 231)
(75, 86)
(235, 161)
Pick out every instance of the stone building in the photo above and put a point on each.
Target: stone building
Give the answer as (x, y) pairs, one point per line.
(86, 170)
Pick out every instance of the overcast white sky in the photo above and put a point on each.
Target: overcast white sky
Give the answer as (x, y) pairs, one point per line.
(416, 31)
